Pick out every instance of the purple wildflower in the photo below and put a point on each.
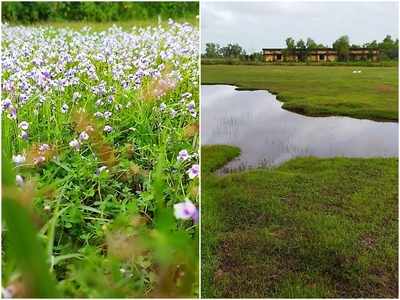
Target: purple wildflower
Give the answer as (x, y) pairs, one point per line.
(64, 108)
(107, 115)
(186, 95)
(108, 128)
(5, 104)
(98, 114)
(43, 148)
(83, 136)
(75, 144)
(186, 210)
(18, 159)
(76, 96)
(191, 105)
(173, 113)
(183, 155)
(23, 135)
(39, 159)
(191, 108)
(24, 125)
(23, 98)
(194, 171)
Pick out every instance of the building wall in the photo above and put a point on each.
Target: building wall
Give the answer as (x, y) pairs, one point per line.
(331, 57)
(320, 55)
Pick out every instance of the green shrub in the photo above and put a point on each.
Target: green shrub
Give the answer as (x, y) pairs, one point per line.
(31, 12)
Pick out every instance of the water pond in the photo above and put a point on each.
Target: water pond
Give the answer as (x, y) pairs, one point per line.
(269, 135)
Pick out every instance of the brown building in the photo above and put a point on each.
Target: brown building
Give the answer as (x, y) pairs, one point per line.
(319, 55)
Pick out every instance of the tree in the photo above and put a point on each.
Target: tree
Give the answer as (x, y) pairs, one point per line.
(371, 46)
(232, 51)
(342, 47)
(212, 50)
(301, 50)
(396, 50)
(300, 45)
(256, 56)
(290, 46)
(311, 45)
(388, 48)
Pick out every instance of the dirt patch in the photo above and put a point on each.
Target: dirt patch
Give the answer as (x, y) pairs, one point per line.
(385, 88)
(247, 266)
(368, 241)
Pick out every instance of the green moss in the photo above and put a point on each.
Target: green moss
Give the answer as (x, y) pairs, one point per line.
(309, 228)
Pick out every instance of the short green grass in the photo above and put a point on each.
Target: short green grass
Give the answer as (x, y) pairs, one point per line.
(319, 90)
(309, 228)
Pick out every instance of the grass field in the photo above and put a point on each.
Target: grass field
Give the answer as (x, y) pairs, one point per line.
(318, 91)
(101, 26)
(100, 161)
(309, 228)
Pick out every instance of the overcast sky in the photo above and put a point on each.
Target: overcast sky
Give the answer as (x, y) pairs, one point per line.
(257, 25)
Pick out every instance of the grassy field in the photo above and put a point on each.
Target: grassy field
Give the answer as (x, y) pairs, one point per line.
(100, 161)
(101, 26)
(237, 61)
(319, 91)
(309, 228)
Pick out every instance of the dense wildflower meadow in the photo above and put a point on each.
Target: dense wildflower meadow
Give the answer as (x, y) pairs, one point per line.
(100, 161)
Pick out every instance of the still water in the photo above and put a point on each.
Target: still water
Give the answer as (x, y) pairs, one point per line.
(269, 135)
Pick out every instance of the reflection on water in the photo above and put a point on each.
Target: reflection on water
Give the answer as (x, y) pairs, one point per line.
(269, 135)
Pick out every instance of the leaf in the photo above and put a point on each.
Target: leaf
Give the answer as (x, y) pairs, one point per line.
(60, 258)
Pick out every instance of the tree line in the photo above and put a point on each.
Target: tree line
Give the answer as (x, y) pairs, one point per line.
(388, 49)
(214, 50)
(30, 12)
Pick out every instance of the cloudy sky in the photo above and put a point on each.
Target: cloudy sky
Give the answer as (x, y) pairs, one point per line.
(256, 25)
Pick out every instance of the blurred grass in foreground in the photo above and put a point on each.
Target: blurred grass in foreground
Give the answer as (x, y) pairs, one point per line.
(25, 249)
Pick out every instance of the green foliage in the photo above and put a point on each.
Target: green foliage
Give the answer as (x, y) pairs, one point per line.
(389, 48)
(290, 46)
(31, 12)
(388, 51)
(311, 228)
(301, 50)
(213, 50)
(311, 44)
(342, 47)
(230, 52)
